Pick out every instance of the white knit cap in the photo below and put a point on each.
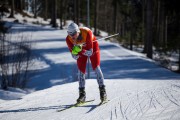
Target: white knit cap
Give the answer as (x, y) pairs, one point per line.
(72, 28)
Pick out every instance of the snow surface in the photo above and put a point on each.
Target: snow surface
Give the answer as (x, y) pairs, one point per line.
(137, 88)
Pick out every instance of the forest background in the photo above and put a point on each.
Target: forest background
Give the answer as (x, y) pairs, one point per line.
(148, 26)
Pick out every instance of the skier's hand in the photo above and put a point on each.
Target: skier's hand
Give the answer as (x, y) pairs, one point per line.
(88, 52)
(75, 56)
(76, 49)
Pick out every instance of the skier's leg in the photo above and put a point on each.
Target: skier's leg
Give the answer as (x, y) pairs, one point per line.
(82, 93)
(95, 62)
(81, 79)
(81, 63)
(100, 77)
(100, 80)
(103, 95)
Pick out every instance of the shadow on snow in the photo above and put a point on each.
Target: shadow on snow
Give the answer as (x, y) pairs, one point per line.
(92, 107)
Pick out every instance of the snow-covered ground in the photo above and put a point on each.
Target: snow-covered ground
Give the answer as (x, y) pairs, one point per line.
(137, 88)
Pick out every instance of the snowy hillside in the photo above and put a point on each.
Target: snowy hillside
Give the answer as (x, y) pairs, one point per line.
(137, 88)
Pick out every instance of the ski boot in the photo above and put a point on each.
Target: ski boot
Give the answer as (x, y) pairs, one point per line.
(82, 95)
(103, 95)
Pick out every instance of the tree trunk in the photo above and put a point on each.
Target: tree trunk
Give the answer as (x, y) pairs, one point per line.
(12, 9)
(77, 12)
(158, 24)
(149, 28)
(23, 4)
(74, 14)
(95, 17)
(165, 34)
(132, 30)
(20, 7)
(179, 41)
(54, 24)
(46, 10)
(4, 82)
(35, 5)
(61, 14)
(163, 22)
(115, 15)
(179, 60)
(144, 26)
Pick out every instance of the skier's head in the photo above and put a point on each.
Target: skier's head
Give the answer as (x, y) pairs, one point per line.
(73, 29)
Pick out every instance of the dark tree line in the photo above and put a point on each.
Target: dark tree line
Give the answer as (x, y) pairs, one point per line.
(151, 23)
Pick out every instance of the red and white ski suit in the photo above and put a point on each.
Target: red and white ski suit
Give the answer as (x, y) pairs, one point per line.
(86, 38)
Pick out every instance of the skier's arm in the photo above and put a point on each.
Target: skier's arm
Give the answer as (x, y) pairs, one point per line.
(89, 40)
(69, 44)
(70, 47)
(89, 44)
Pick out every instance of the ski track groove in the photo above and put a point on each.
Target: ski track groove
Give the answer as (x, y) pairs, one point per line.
(152, 100)
(165, 94)
(156, 99)
(140, 112)
(140, 109)
(131, 102)
(121, 109)
(177, 111)
(111, 118)
(156, 117)
(141, 106)
(128, 107)
(172, 95)
(115, 111)
(169, 98)
(137, 106)
(177, 86)
(104, 107)
(152, 96)
(132, 105)
(139, 103)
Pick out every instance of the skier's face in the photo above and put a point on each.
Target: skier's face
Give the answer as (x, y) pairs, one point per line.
(74, 36)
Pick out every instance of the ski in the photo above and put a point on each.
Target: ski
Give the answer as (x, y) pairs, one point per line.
(103, 102)
(75, 105)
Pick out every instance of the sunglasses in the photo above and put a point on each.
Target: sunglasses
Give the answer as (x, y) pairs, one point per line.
(72, 34)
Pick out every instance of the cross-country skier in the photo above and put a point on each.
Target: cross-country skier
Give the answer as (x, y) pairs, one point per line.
(81, 43)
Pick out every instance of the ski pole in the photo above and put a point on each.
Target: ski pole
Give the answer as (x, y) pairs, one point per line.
(107, 37)
(102, 38)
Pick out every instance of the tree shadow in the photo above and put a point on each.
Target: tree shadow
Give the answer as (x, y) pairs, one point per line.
(21, 27)
(120, 64)
(136, 69)
(55, 74)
